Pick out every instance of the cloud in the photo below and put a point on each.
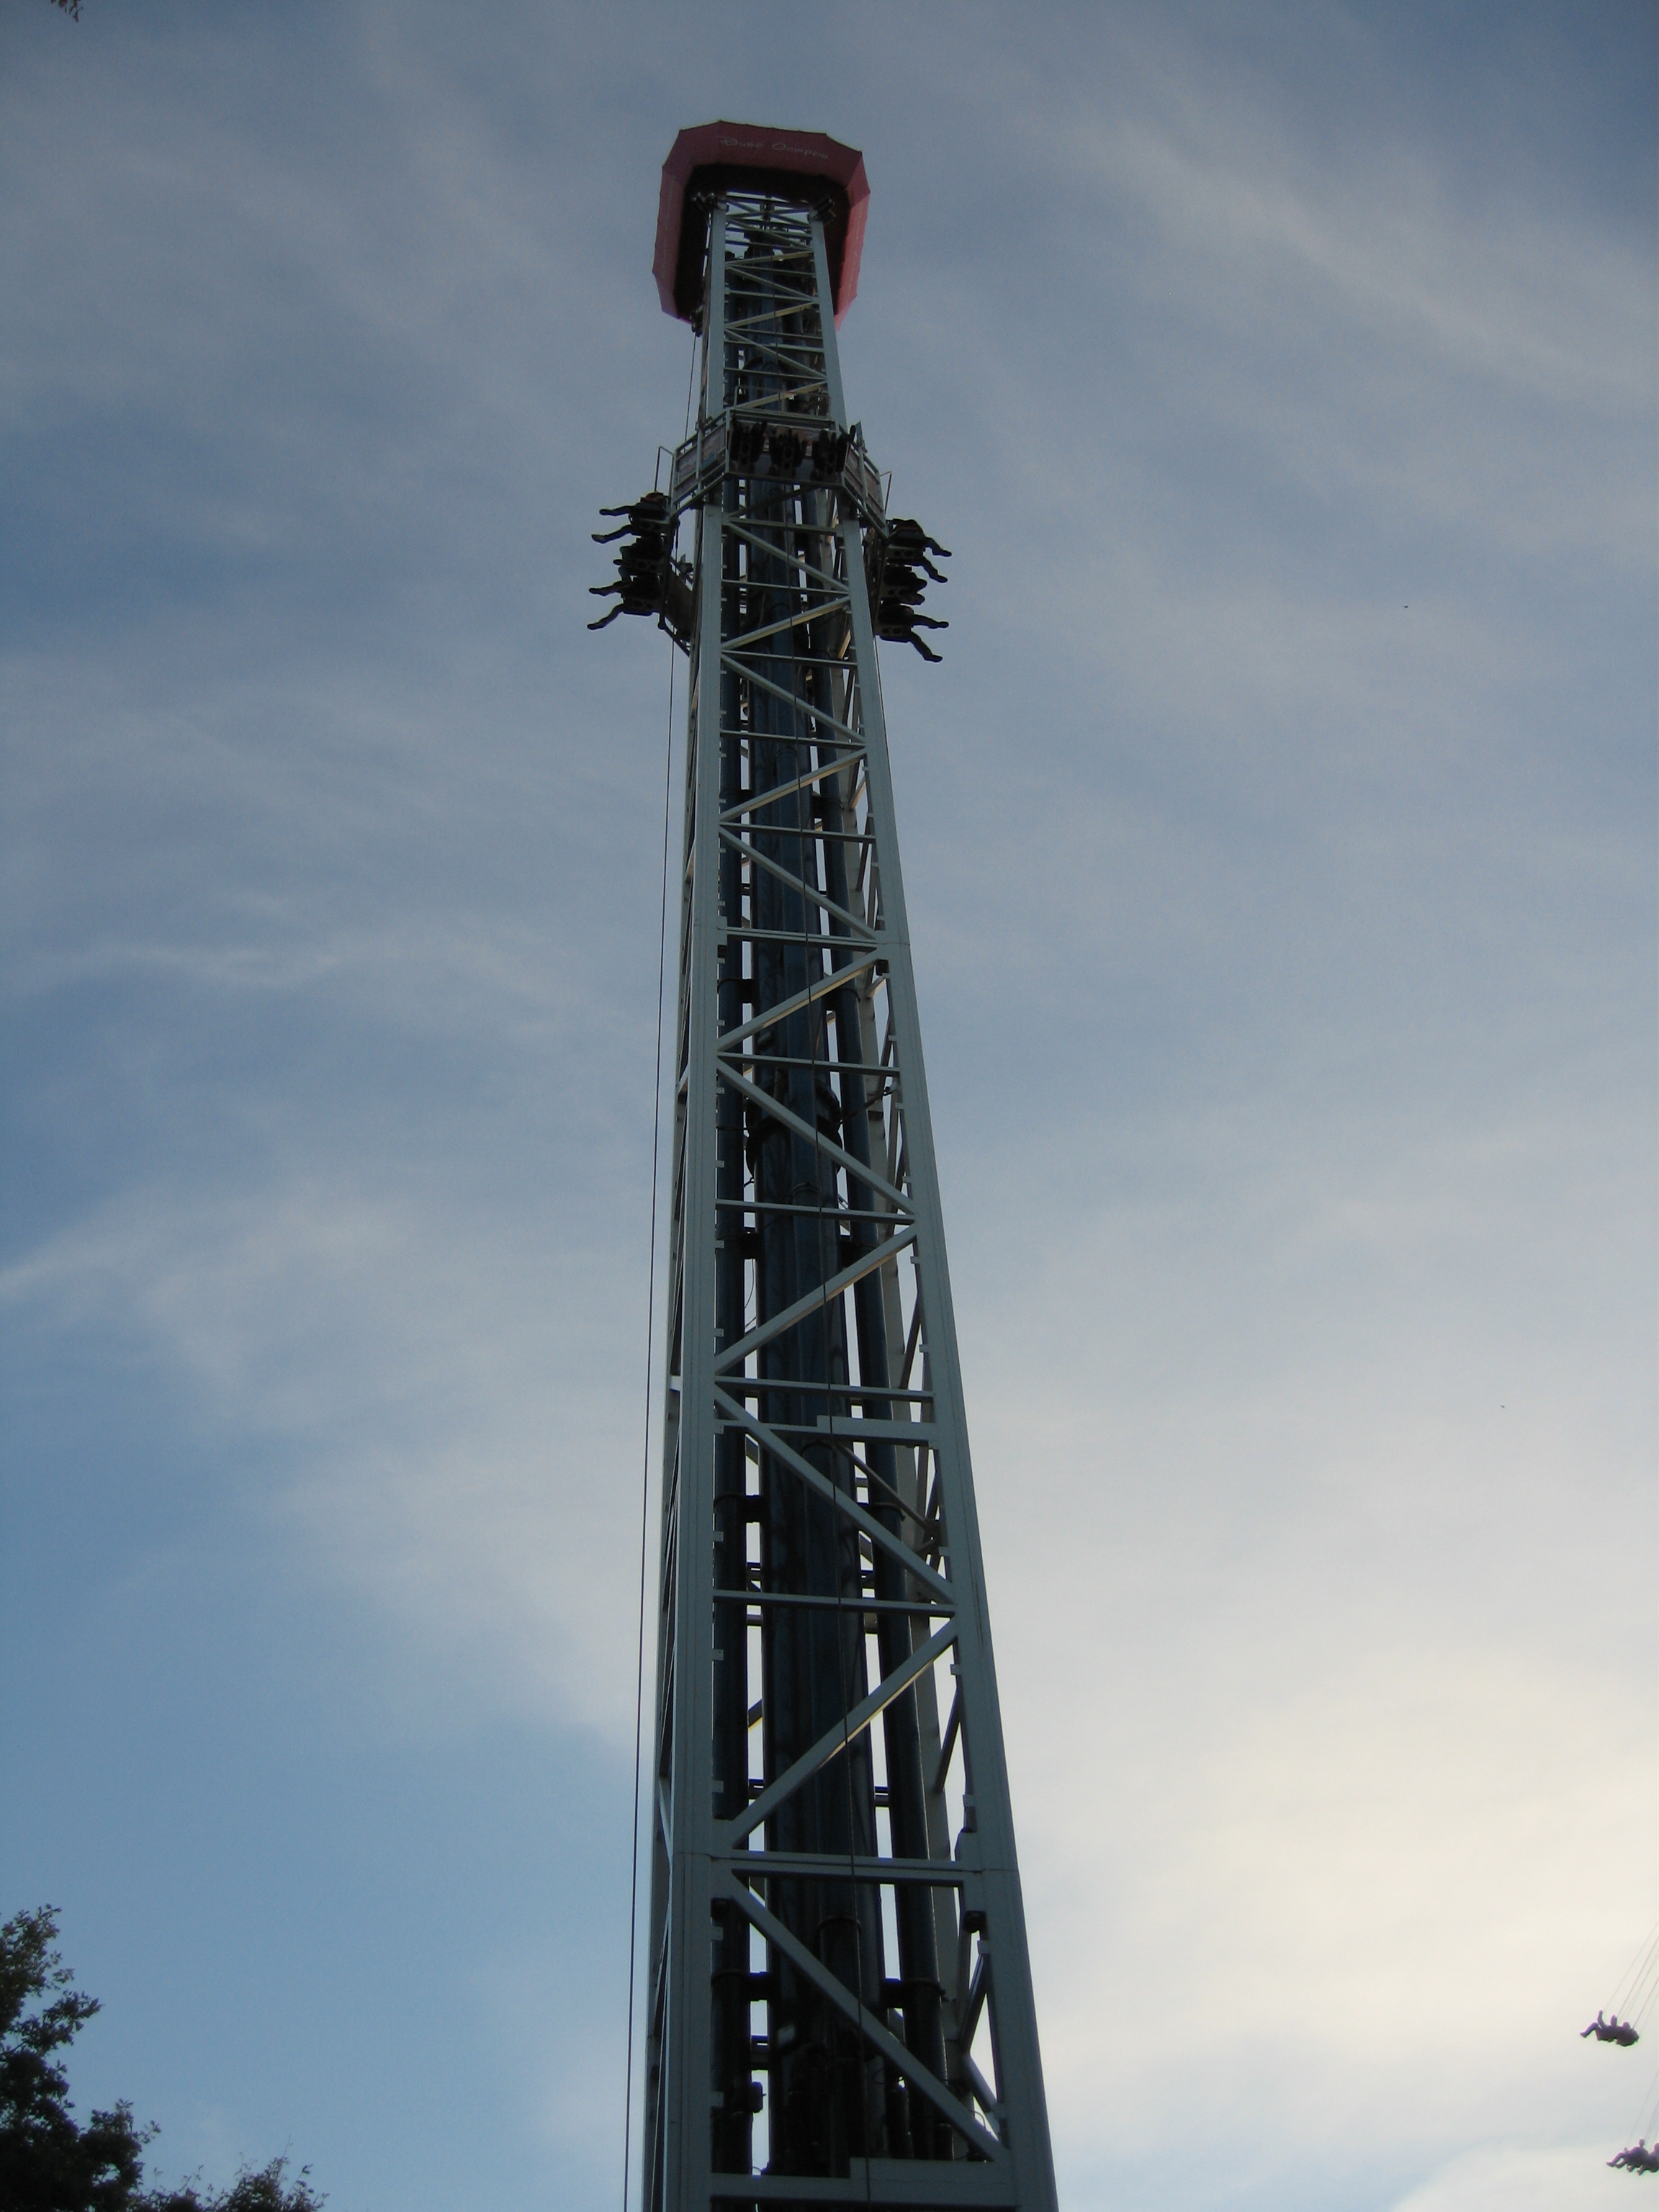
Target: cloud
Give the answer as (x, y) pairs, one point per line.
(425, 1377)
(1286, 952)
(1505, 2180)
(1352, 1910)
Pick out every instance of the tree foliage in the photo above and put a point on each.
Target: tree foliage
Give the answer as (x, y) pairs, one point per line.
(264, 2191)
(49, 2161)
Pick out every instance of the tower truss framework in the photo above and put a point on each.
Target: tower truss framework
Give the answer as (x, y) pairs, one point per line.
(839, 2004)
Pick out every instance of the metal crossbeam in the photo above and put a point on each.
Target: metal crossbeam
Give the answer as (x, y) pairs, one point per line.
(869, 2027)
(826, 1151)
(810, 893)
(786, 1458)
(778, 1323)
(837, 1740)
(774, 1017)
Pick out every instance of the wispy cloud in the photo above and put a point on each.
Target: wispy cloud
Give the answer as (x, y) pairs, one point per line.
(1285, 949)
(425, 1374)
(1501, 2180)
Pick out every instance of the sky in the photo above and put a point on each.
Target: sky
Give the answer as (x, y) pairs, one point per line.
(1280, 845)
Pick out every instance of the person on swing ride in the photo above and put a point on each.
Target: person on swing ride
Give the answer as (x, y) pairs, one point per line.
(1610, 2031)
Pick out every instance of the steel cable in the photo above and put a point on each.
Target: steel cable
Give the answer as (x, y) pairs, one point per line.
(650, 1348)
(1638, 1972)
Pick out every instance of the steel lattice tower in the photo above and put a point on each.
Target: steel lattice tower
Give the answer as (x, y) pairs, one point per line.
(839, 1997)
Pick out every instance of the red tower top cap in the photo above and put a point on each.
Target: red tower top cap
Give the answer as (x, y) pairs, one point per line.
(750, 156)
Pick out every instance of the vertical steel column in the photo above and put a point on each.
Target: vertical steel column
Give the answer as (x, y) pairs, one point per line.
(685, 1804)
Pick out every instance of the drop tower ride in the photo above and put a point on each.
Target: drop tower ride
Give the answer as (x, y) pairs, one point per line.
(838, 1996)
